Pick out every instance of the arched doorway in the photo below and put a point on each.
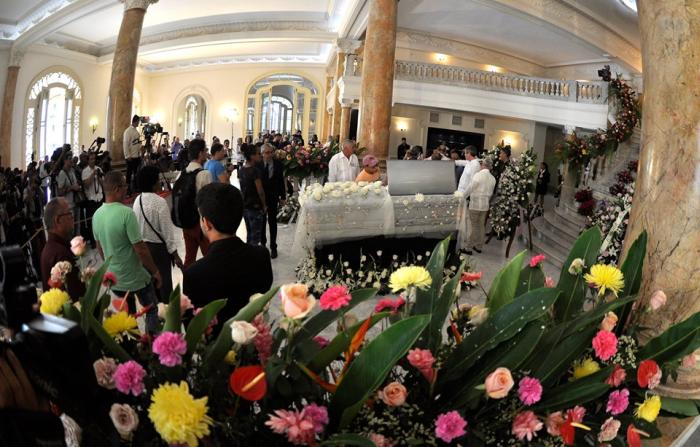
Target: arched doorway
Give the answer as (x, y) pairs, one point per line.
(52, 117)
(284, 103)
(192, 116)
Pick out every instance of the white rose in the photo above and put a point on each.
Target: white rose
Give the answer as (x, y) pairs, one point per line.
(577, 266)
(420, 197)
(328, 187)
(318, 195)
(125, 420)
(354, 187)
(336, 194)
(363, 184)
(243, 332)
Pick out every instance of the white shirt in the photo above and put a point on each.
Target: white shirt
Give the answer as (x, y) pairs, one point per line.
(93, 190)
(131, 143)
(480, 190)
(203, 176)
(156, 210)
(471, 167)
(342, 168)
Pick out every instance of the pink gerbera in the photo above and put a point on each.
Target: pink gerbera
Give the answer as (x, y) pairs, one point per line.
(529, 390)
(449, 426)
(526, 425)
(334, 298)
(536, 260)
(128, 378)
(618, 401)
(605, 345)
(170, 347)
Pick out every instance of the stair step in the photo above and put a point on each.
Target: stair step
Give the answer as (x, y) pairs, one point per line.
(552, 235)
(562, 223)
(555, 256)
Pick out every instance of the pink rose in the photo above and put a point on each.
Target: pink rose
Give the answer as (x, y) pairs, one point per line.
(104, 370)
(609, 429)
(536, 260)
(125, 420)
(526, 425)
(296, 301)
(78, 246)
(553, 422)
(605, 345)
(549, 282)
(394, 394)
(449, 426)
(499, 383)
(657, 300)
(609, 322)
(335, 298)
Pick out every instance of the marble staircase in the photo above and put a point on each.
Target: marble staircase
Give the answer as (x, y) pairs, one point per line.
(554, 233)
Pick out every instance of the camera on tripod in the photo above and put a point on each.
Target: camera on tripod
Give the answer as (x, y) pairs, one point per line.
(149, 130)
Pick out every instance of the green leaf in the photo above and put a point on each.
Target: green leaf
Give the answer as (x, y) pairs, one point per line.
(344, 439)
(323, 319)
(109, 343)
(425, 298)
(340, 344)
(505, 284)
(681, 407)
(595, 316)
(531, 278)
(172, 315)
(499, 327)
(560, 356)
(570, 394)
(217, 351)
(632, 272)
(371, 367)
(89, 300)
(512, 356)
(573, 287)
(433, 333)
(200, 323)
(674, 343)
(70, 312)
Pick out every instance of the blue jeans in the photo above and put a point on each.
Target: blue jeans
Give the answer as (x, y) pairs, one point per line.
(254, 221)
(146, 296)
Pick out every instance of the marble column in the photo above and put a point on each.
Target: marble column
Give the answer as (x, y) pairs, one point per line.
(121, 87)
(667, 196)
(335, 120)
(345, 122)
(8, 102)
(378, 78)
(327, 117)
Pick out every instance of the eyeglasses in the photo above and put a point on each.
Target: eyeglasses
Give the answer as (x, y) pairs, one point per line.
(67, 213)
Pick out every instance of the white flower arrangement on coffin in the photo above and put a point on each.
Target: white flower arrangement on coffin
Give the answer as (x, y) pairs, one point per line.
(342, 191)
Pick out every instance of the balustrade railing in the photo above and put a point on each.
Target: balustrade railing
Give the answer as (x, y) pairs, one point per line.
(593, 92)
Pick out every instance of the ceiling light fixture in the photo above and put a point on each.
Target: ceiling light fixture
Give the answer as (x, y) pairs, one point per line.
(440, 57)
(631, 4)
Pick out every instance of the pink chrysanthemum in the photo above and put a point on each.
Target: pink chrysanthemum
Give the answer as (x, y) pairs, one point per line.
(536, 260)
(605, 345)
(526, 425)
(449, 426)
(170, 347)
(335, 298)
(128, 378)
(529, 390)
(618, 401)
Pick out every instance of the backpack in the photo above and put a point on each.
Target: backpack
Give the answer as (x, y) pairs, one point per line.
(184, 212)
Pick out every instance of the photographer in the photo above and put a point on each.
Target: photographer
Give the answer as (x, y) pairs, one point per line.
(132, 152)
(92, 182)
(67, 186)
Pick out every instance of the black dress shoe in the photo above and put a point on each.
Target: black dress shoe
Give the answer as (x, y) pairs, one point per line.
(273, 253)
(468, 252)
(476, 250)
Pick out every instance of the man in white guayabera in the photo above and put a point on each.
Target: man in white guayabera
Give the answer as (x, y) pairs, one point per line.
(344, 165)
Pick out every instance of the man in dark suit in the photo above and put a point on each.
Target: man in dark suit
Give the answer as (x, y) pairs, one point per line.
(402, 149)
(231, 269)
(273, 183)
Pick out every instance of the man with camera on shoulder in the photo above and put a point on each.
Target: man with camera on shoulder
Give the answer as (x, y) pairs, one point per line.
(132, 152)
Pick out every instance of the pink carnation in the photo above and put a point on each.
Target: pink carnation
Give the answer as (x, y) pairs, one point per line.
(536, 260)
(618, 401)
(576, 414)
(422, 360)
(318, 415)
(109, 279)
(263, 341)
(526, 425)
(605, 345)
(170, 347)
(449, 426)
(616, 377)
(388, 303)
(381, 440)
(529, 390)
(334, 298)
(554, 422)
(128, 378)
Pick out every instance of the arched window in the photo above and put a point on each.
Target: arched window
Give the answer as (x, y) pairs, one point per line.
(53, 114)
(283, 103)
(194, 110)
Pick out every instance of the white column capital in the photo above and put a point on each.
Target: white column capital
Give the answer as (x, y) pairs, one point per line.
(347, 46)
(137, 4)
(569, 129)
(16, 57)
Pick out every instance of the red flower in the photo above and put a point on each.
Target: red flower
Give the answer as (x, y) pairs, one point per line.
(55, 283)
(633, 438)
(471, 276)
(388, 303)
(567, 431)
(109, 280)
(249, 382)
(536, 260)
(648, 374)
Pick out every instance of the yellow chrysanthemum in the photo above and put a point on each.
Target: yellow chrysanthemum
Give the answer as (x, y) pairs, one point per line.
(649, 409)
(585, 367)
(52, 301)
(178, 417)
(411, 276)
(606, 277)
(120, 323)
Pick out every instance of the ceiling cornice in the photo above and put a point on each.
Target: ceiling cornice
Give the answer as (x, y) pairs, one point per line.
(300, 60)
(35, 15)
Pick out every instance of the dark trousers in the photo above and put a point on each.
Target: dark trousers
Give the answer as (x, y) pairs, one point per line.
(254, 221)
(161, 258)
(194, 240)
(90, 208)
(272, 206)
(132, 166)
(146, 296)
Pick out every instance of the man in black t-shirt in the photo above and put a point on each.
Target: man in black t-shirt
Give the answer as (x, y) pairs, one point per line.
(402, 149)
(254, 204)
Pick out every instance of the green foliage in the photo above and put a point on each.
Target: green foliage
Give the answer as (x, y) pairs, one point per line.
(109, 343)
(172, 315)
(89, 300)
(632, 272)
(505, 284)
(573, 287)
(200, 323)
(531, 278)
(571, 394)
(674, 343)
(441, 309)
(372, 366)
(347, 439)
(425, 298)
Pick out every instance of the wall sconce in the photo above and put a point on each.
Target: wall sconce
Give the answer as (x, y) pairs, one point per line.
(230, 113)
(441, 58)
(93, 124)
(402, 126)
(493, 69)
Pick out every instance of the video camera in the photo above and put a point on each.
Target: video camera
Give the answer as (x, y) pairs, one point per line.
(150, 130)
(54, 351)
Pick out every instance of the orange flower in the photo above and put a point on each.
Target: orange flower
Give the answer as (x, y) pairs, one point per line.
(296, 301)
(249, 382)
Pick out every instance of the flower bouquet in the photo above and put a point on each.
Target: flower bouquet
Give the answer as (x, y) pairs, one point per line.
(540, 363)
(513, 194)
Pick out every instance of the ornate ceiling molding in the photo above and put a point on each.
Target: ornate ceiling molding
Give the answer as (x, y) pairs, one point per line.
(311, 60)
(347, 46)
(36, 15)
(416, 40)
(561, 15)
(137, 4)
